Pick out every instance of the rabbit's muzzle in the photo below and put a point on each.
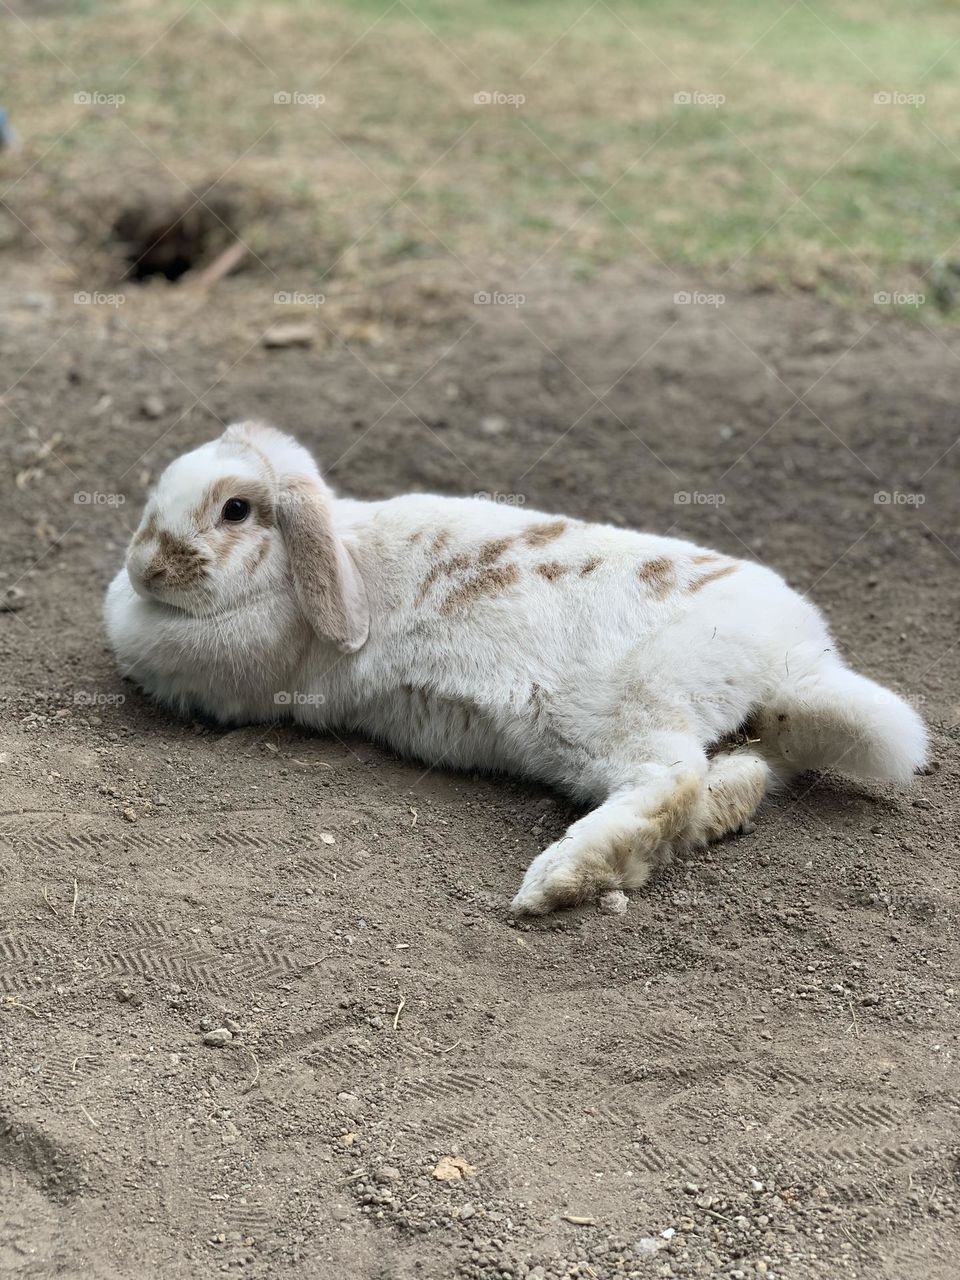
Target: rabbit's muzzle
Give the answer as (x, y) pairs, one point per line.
(167, 563)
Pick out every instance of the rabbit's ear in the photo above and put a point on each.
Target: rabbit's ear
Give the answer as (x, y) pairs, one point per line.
(328, 586)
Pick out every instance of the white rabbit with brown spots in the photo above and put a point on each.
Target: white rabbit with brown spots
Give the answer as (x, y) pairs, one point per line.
(604, 662)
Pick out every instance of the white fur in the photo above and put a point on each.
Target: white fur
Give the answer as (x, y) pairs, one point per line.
(590, 682)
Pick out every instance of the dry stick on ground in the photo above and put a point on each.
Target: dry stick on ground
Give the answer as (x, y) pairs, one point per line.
(76, 894)
(221, 265)
(48, 902)
(88, 1115)
(400, 1008)
(853, 1015)
(256, 1074)
(12, 1002)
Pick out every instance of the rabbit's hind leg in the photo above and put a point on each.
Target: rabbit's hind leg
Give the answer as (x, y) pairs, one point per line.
(735, 786)
(618, 844)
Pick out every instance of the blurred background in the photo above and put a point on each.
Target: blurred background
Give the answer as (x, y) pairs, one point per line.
(794, 146)
(469, 245)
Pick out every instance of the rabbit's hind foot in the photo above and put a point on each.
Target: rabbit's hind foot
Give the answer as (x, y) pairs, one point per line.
(616, 846)
(734, 788)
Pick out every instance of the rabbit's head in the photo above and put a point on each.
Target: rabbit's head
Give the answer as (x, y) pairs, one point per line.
(243, 517)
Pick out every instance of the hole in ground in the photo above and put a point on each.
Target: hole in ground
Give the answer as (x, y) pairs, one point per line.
(167, 239)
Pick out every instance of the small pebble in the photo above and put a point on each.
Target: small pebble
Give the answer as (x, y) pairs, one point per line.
(152, 407)
(12, 600)
(614, 902)
(217, 1038)
(290, 334)
(493, 425)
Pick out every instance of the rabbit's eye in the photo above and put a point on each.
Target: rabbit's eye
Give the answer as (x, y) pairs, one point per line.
(235, 510)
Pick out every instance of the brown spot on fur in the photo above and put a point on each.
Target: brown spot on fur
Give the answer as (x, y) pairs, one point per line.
(415, 536)
(659, 575)
(538, 535)
(551, 570)
(698, 584)
(674, 813)
(148, 531)
(440, 541)
(175, 548)
(427, 583)
(256, 556)
(708, 557)
(589, 565)
(492, 581)
(256, 492)
(179, 564)
(453, 565)
(494, 549)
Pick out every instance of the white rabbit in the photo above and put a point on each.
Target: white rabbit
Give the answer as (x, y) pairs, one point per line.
(482, 636)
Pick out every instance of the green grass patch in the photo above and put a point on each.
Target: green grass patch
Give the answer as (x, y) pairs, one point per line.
(780, 168)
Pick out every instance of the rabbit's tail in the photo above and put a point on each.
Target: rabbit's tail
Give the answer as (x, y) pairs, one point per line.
(834, 718)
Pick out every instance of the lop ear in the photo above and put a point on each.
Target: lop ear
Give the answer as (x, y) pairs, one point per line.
(328, 586)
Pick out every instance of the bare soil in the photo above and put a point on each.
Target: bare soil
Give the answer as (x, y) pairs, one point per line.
(760, 1057)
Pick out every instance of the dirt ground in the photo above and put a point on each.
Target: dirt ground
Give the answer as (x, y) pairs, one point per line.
(753, 1072)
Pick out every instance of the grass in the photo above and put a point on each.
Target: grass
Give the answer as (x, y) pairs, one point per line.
(797, 179)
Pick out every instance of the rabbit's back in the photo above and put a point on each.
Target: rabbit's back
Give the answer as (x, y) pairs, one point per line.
(509, 638)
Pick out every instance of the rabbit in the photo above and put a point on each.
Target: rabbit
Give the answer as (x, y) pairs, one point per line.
(610, 664)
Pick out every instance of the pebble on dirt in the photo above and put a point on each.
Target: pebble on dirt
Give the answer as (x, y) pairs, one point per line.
(152, 407)
(12, 600)
(217, 1038)
(614, 903)
(290, 334)
(452, 1168)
